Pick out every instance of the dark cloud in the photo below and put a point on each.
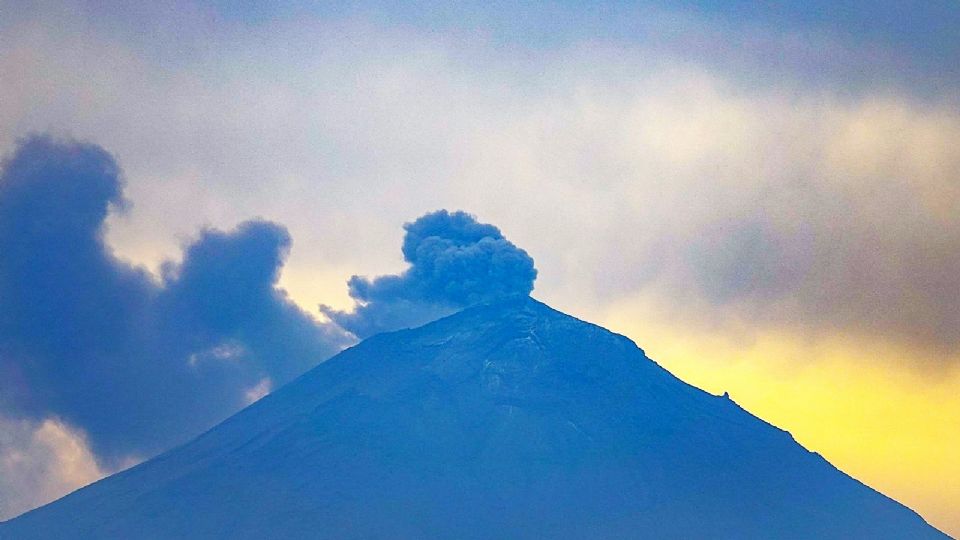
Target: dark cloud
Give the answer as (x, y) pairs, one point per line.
(454, 260)
(138, 365)
(889, 275)
(225, 293)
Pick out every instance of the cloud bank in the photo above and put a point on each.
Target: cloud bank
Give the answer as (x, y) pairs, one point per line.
(455, 262)
(786, 192)
(135, 364)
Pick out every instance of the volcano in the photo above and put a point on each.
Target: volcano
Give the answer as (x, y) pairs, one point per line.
(505, 420)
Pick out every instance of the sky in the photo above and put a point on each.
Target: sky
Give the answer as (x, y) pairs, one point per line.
(766, 198)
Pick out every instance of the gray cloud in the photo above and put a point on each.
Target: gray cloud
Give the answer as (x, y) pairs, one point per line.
(91, 340)
(454, 261)
(839, 270)
(695, 166)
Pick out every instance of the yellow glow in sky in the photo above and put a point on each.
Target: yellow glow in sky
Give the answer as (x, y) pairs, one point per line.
(869, 410)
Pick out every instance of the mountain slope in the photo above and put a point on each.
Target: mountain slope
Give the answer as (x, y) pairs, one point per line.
(507, 420)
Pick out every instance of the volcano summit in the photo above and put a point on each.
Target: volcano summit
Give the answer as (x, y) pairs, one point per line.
(506, 420)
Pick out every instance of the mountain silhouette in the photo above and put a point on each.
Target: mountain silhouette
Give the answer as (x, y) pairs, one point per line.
(506, 420)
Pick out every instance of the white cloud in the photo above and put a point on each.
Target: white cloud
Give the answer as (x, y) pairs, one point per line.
(40, 462)
(259, 390)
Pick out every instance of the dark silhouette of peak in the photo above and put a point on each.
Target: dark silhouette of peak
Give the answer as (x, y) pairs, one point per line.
(506, 420)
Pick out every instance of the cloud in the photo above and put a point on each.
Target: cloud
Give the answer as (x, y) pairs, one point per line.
(454, 261)
(39, 462)
(851, 228)
(223, 297)
(640, 168)
(134, 363)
